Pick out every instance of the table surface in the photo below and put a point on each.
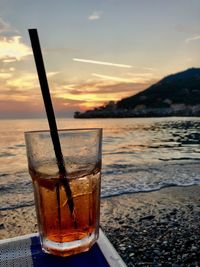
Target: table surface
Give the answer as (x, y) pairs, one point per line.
(25, 251)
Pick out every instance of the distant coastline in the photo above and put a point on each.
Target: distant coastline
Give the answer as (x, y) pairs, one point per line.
(193, 111)
(175, 95)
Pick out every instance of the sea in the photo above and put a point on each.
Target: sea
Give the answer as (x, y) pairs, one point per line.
(138, 155)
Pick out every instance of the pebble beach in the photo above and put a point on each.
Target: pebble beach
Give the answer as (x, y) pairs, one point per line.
(150, 206)
(160, 228)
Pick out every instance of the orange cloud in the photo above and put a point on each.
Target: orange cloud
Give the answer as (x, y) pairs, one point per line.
(25, 81)
(112, 78)
(12, 49)
(5, 75)
(141, 78)
(96, 93)
(21, 92)
(102, 87)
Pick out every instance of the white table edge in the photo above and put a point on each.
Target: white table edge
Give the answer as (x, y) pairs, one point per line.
(109, 252)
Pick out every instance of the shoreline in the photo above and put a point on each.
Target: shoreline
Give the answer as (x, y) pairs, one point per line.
(147, 191)
(140, 113)
(146, 228)
(31, 204)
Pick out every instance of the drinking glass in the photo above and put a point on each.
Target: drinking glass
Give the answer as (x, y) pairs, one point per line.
(64, 231)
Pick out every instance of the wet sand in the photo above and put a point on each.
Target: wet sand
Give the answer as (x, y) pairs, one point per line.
(160, 228)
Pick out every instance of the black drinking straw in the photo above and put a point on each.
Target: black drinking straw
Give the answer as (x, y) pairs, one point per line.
(50, 115)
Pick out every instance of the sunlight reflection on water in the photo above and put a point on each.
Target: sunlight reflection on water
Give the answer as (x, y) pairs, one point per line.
(140, 154)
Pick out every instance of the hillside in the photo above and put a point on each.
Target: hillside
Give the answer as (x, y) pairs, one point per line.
(179, 88)
(175, 95)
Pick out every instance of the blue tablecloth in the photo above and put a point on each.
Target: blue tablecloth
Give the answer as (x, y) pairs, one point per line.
(26, 251)
(91, 258)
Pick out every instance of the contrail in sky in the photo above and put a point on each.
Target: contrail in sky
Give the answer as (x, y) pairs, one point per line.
(194, 38)
(117, 79)
(102, 63)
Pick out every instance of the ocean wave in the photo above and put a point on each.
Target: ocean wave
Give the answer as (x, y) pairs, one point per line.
(146, 190)
(7, 154)
(180, 158)
(139, 155)
(16, 187)
(4, 174)
(17, 206)
(109, 194)
(20, 145)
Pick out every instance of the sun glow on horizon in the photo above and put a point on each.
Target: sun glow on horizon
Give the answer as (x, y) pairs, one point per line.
(101, 57)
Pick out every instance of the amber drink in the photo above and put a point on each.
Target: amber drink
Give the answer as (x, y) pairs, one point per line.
(64, 231)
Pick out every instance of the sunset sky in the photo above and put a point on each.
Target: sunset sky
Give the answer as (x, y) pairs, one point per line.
(94, 50)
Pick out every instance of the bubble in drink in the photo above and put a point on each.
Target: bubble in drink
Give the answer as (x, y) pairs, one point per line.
(62, 232)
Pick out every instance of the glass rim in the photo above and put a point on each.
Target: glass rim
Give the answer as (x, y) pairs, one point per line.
(65, 130)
